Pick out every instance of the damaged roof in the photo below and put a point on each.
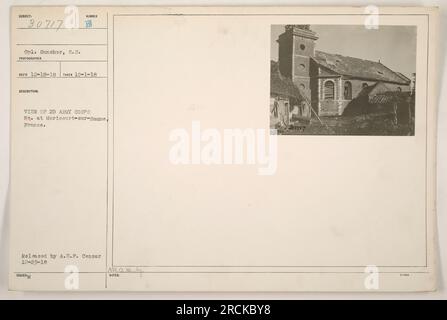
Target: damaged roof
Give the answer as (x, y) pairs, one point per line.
(359, 68)
(281, 85)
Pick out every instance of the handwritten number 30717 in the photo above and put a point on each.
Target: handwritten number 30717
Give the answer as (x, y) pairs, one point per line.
(45, 24)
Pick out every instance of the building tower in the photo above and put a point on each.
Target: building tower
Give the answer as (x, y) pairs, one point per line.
(296, 47)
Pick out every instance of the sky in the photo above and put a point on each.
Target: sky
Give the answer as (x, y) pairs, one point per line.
(394, 46)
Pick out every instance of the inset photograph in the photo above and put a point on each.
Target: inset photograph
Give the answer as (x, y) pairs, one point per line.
(343, 80)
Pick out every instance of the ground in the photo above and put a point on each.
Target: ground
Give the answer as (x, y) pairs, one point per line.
(371, 124)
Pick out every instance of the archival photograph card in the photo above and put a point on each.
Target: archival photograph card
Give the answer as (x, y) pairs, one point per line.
(223, 148)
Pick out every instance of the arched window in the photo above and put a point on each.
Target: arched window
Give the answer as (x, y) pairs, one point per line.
(399, 89)
(329, 90)
(348, 91)
(364, 85)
